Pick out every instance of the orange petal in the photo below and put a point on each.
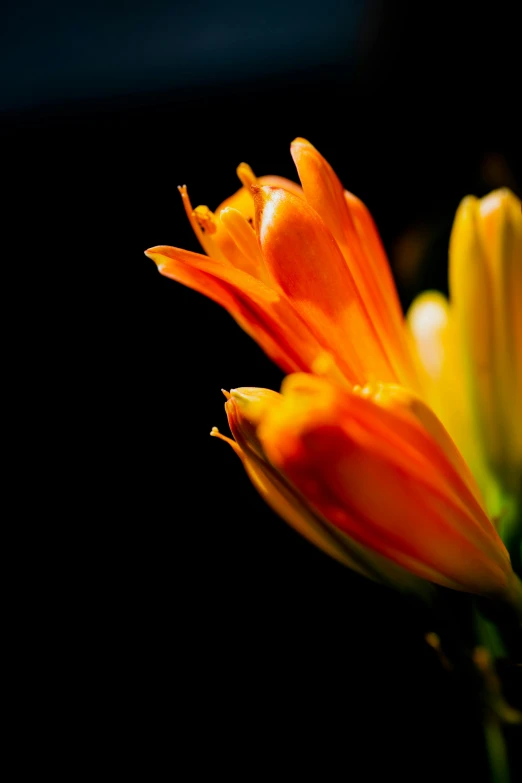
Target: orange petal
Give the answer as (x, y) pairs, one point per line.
(387, 307)
(264, 314)
(305, 263)
(412, 423)
(375, 255)
(325, 193)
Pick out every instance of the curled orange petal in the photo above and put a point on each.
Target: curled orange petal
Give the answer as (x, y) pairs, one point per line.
(263, 313)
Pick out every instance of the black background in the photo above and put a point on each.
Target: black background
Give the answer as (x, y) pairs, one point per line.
(222, 641)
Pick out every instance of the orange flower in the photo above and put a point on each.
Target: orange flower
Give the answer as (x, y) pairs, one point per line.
(355, 460)
(303, 271)
(373, 479)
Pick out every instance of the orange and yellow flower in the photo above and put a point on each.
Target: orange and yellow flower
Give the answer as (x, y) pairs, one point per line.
(355, 459)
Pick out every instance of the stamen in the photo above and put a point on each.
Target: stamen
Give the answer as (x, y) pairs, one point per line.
(206, 219)
(433, 640)
(244, 236)
(201, 232)
(215, 433)
(246, 175)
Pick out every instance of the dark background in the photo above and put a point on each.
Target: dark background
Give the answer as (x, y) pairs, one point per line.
(222, 640)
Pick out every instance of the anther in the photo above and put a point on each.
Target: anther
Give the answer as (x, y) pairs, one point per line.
(205, 219)
(246, 175)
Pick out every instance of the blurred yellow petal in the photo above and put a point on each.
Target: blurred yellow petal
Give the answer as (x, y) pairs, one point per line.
(435, 341)
(501, 233)
(486, 299)
(428, 319)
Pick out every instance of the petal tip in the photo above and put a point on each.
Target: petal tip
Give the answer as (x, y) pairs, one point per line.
(299, 141)
(155, 254)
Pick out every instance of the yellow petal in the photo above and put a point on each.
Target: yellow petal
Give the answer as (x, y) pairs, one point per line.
(471, 299)
(435, 341)
(486, 298)
(501, 233)
(428, 320)
(244, 236)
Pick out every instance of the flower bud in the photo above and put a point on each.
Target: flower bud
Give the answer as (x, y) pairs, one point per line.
(377, 474)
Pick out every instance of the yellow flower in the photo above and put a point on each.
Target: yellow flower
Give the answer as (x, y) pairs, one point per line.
(471, 346)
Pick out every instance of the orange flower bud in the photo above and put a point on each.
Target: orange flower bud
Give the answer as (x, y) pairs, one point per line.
(380, 473)
(246, 408)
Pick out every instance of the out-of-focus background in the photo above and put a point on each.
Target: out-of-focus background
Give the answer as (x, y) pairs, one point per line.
(231, 645)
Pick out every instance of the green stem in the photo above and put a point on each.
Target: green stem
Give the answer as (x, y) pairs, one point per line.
(489, 637)
(511, 528)
(496, 749)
